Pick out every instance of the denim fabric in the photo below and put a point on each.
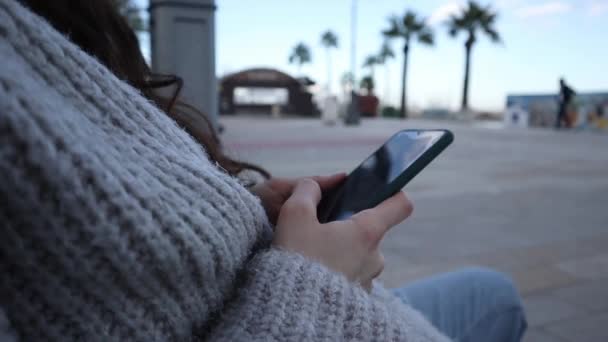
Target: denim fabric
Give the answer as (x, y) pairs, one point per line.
(474, 304)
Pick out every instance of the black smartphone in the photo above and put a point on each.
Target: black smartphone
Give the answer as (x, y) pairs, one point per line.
(384, 173)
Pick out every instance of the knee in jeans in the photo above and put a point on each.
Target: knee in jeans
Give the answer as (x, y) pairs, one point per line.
(494, 286)
(503, 304)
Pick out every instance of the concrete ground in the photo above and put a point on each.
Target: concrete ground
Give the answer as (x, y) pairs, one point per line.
(532, 203)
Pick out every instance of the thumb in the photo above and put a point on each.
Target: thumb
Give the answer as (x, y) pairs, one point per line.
(385, 215)
(328, 182)
(304, 199)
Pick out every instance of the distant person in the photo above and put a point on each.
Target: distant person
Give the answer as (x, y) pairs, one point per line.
(353, 117)
(122, 219)
(565, 97)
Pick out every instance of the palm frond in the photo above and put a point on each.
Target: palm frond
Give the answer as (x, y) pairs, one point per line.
(300, 54)
(409, 20)
(386, 53)
(367, 82)
(492, 34)
(329, 39)
(395, 29)
(132, 13)
(370, 61)
(474, 17)
(347, 78)
(426, 36)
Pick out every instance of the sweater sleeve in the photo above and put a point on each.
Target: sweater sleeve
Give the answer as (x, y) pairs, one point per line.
(287, 297)
(6, 332)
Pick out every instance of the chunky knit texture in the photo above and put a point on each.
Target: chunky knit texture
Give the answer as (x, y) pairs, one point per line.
(115, 225)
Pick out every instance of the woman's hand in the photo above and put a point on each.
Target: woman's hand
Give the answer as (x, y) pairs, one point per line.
(349, 247)
(274, 192)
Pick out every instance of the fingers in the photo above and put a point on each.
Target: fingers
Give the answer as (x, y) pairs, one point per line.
(384, 216)
(394, 210)
(375, 269)
(304, 199)
(378, 265)
(285, 186)
(328, 182)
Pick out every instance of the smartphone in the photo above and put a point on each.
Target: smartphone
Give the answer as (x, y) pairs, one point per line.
(384, 173)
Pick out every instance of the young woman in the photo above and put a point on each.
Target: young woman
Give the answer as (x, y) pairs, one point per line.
(123, 220)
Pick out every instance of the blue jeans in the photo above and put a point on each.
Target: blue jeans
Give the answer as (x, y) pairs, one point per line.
(474, 304)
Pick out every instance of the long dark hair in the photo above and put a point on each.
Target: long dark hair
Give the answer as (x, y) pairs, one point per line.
(98, 28)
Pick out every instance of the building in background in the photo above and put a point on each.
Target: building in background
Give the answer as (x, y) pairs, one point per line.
(265, 90)
(588, 110)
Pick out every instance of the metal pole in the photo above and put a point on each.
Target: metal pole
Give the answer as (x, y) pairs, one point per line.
(352, 115)
(353, 42)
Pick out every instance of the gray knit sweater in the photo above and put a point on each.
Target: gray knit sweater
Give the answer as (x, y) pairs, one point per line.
(115, 225)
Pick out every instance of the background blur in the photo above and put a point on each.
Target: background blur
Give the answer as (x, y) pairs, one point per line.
(543, 40)
(313, 87)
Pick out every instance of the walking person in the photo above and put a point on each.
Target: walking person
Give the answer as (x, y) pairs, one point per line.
(565, 97)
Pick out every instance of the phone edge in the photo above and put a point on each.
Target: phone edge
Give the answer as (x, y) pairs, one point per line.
(419, 165)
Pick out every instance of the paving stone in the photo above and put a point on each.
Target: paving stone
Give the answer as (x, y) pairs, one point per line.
(554, 252)
(543, 309)
(590, 268)
(538, 335)
(590, 295)
(587, 329)
(401, 273)
(541, 279)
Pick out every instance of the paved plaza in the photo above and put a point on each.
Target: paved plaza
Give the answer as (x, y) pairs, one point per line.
(532, 203)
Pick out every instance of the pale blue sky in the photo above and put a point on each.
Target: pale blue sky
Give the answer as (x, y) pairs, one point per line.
(543, 40)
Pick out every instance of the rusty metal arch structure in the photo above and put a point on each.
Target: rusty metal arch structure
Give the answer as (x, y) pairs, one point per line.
(299, 99)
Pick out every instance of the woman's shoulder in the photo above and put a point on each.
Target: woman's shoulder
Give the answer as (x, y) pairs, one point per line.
(118, 198)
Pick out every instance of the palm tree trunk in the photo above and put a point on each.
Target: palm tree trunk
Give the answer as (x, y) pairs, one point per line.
(467, 69)
(403, 110)
(373, 74)
(387, 85)
(328, 71)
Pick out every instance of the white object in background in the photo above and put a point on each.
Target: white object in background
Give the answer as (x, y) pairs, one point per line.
(330, 110)
(515, 116)
(275, 110)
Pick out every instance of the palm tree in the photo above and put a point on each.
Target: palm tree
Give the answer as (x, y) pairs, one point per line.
(370, 62)
(300, 55)
(367, 83)
(347, 81)
(386, 53)
(472, 19)
(329, 40)
(409, 27)
(132, 12)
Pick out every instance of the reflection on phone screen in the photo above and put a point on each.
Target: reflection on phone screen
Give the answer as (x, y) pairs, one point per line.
(376, 173)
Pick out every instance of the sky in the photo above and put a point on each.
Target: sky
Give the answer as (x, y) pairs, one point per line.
(542, 41)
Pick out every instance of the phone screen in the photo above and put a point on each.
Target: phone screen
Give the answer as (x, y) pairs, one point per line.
(376, 174)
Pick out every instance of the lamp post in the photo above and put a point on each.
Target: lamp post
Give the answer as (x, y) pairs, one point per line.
(353, 116)
(183, 44)
(353, 41)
